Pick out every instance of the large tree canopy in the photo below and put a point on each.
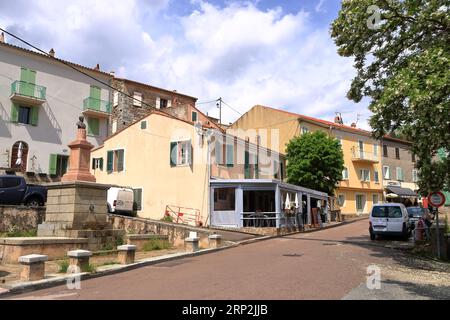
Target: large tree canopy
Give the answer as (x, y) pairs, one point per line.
(315, 161)
(402, 57)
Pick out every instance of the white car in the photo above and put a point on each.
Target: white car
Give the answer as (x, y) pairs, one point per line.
(120, 200)
(389, 219)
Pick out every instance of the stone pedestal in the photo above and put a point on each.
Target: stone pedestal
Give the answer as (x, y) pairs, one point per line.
(126, 253)
(191, 244)
(215, 240)
(79, 160)
(79, 261)
(33, 267)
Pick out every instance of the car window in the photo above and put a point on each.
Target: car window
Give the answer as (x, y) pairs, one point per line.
(11, 182)
(379, 212)
(395, 212)
(416, 212)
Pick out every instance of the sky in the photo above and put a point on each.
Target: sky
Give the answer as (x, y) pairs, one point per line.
(267, 52)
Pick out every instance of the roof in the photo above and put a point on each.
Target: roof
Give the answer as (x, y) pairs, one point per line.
(11, 46)
(157, 88)
(403, 192)
(387, 137)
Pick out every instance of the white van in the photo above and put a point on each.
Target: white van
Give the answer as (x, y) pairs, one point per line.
(120, 200)
(389, 219)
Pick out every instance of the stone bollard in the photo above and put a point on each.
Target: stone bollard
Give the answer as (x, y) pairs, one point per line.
(79, 261)
(33, 267)
(215, 240)
(191, 244)
(126, 253)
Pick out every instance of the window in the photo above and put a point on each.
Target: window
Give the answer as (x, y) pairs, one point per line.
(115, 160)
(364, 175)
(224, 199)
(413, 157)
(360, 202)
(163, 103)
(375, 150)
(397, 153)
(399, 173)
(58, 164)
(9, 182)
(376, 176)
(345, 174)
(137, 195)
(374, 198)
(385, 150)
(180, 153)
(281, 171)
(143, 125)
(415, 176)
(194, 116)
(230, 155)
(386, 173)
(93, 126)
(305, 130)
(224, 153)
(341, 200)
(19, 155)
(97, 164)
(114, 126)
(137, 99)
(116, 98)
(24, 114)
(387, 212)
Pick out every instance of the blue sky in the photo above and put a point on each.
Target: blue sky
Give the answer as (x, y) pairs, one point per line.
(275, 53)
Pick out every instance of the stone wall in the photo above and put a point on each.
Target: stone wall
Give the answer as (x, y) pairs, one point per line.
(175, 232)
(20, 218)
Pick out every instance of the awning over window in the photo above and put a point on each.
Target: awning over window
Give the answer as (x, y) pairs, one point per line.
(402, 192)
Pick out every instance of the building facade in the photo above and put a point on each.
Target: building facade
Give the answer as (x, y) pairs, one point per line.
(142, 98)
(361, 186)
(41, 100)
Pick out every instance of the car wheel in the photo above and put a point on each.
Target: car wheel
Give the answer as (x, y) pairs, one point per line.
(33, 202)
(372, 236)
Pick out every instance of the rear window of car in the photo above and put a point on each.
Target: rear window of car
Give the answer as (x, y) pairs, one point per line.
(416, 212)
(9, 182)
(386, 212)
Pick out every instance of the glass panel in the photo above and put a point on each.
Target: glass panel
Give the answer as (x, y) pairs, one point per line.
(224, 199)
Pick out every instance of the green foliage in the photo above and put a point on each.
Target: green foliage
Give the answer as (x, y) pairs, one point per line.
(90, 268)
(15, 233)
(112, 245)
(167, 219)
(315, 161)
(403, 66)
(156, 244)
(63, 266)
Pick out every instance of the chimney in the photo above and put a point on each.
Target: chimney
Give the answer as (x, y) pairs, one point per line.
(353, 125)
(2, 37)
(113, 73)
(52, 52)
(338, 120)
(97, 67)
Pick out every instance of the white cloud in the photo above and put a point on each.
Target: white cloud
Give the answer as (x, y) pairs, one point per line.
(246, 55)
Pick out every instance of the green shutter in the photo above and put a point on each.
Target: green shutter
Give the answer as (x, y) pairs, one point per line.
(93, 163)
(194, 116)
(95, 95)
(34, 115)
(143, 125)
(101, 164)
(275, 169)
(191, 153)
(52, 165)
(218, 150)
(28, 75)
(14, 113)
(120, 160)
(230, 155)
(256, 167)
(109, 161)
(247, 165)
(137, 195)
(93, 126)
(173, 154)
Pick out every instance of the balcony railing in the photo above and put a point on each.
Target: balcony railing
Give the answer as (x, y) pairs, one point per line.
(96, 105)
(29, 90)
(361, 155)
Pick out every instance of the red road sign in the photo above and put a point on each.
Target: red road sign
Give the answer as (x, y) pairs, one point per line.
(436, 199)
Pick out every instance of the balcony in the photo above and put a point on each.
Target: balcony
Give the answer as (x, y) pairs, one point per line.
(96, 108)
(27, 93)
(359, 155)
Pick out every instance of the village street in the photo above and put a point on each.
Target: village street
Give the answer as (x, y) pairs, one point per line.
(327, 264)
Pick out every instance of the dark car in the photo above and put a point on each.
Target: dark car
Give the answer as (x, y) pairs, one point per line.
(415, 213)
(15, 191)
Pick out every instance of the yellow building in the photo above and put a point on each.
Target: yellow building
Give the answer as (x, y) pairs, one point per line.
(361, 186)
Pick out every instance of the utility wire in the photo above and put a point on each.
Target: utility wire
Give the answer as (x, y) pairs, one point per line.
(231, 107)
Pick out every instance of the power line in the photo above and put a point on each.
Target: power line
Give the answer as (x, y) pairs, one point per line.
(205, 102)
(231, 108)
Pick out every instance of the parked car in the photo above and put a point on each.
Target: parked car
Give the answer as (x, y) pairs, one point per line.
(414, 213)
(15, 191)
(120, 200)
(389, 219)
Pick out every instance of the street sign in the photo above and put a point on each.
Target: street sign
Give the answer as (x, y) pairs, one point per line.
(436, 199)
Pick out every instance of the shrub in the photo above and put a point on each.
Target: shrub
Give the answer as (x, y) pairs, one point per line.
(63, 266)
(156, 244)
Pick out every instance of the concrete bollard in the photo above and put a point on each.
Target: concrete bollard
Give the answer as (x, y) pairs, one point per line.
(78, 261)
(126, 253)
(33, 267)
(191, 244)
(215, 240)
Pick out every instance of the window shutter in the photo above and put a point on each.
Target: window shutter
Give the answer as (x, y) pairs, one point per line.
(109, 161)
(230, 155)
(101, 164)
(14, 113)
(143, 125)
(169, 103)
(173, 154)
(95, 92)
(247, 165)
(361, 175)
(34, 115)
(256, 167)
(191, 153)
(52, 164)
(27, 75)
(93, 163)
(158, 103)
(194, 116)
(93, 126)
(275, 169)
(218, 150)
(120, 160)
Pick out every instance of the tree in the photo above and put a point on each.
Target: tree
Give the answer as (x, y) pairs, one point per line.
(315, 161)
(401, 51)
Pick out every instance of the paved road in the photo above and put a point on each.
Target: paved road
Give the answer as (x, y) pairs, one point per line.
(328, 264)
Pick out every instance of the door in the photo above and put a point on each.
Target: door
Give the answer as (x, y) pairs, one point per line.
(11, 190)
(395, 219)
(360, 203)
(95, 95)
